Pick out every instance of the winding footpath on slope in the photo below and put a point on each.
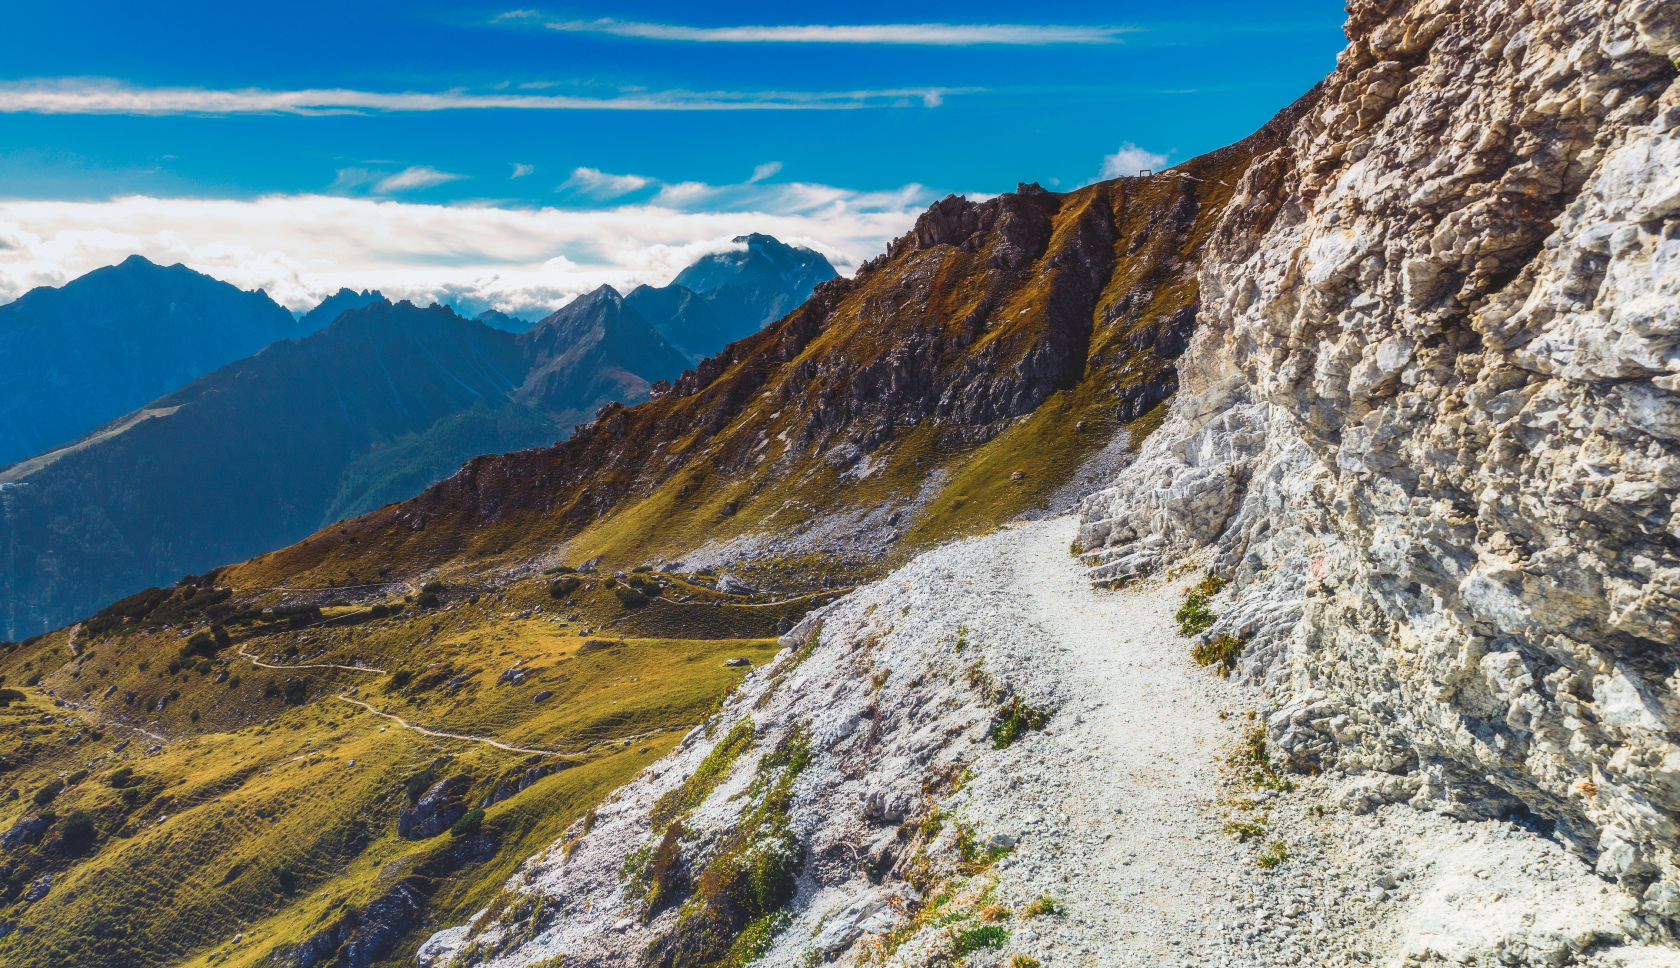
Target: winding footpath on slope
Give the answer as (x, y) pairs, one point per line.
(442, 735)
(248, 657)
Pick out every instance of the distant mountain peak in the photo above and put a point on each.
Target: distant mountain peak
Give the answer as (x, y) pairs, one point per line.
(333, 306)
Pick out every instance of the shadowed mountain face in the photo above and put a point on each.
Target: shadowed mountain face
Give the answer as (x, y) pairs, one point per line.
(95, 348)
(261, 452)
(594, 350)
(728, 296)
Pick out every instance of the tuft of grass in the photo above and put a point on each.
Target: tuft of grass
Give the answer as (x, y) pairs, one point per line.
(1256, 764)
(1044, 907)
(1246, 830)
(1013, 720)
(981, 938)
(1194, 617)
(1025, 961)
(1222, 652)
(1275, 855)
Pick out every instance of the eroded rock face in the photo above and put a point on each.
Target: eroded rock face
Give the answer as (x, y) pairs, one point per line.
(1430, 423)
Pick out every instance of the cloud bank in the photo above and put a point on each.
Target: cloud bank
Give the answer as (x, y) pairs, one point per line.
(527, 261)
(943, 35)
(80, 95)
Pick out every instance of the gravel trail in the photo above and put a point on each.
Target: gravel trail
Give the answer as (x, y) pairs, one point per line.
(1127, 785)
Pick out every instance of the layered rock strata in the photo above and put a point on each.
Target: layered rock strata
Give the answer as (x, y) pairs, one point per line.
(1429, 425)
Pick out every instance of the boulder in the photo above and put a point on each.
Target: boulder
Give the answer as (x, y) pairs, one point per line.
(436, 810)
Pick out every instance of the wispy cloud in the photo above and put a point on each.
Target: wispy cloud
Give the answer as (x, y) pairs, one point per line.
(105, 96)
(1129, 160)
(943, 35)
(421, 176)
(520, 171)
(521, 260)
(764, 171)
(597, 184)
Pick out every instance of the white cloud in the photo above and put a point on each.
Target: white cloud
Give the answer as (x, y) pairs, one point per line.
(420, 176)
(520, 171)
(1130, 160)
(301, 248)
(764, 171)
(597, 184)
(944, 35)
(80, 95)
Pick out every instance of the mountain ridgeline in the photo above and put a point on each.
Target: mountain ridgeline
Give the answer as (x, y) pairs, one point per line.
(960, 379)
(372, 409)
(81, 354)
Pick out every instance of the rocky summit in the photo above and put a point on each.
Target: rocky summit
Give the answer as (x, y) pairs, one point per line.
(1272, 560)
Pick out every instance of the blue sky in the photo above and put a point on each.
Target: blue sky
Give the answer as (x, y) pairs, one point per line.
(428, 147)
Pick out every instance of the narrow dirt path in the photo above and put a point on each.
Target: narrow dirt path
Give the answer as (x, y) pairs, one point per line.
(248, 657)
(1137, 771)
(442, 735)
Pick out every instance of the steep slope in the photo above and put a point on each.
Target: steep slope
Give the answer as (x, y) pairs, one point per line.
(85, 353)
(727, 296)
(1428, 428)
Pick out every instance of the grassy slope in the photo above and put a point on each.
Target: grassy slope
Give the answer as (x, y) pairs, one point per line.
(241, 805)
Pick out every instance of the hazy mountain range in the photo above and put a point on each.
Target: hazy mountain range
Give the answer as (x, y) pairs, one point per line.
(373, 408)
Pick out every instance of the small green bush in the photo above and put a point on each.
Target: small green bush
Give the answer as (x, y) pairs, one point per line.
(46, 794)
(434, 586)
(33, 680)
(78, 828)
(193, 715)
(175, 666)
(1194, 617)
(427, 600)
(630, 597)
(75, 778)
(467, 824)
(400, 678)
(120, 776)
(641, 569)
(9, 696)
(204, 667)
(564, 586)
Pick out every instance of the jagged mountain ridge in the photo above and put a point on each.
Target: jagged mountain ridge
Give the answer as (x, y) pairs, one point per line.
(103, 344)
(339, 302)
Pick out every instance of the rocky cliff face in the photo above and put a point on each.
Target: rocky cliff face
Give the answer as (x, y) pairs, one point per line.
(1429, 425)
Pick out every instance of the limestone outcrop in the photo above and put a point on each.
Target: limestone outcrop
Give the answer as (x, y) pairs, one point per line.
(1429, 425)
